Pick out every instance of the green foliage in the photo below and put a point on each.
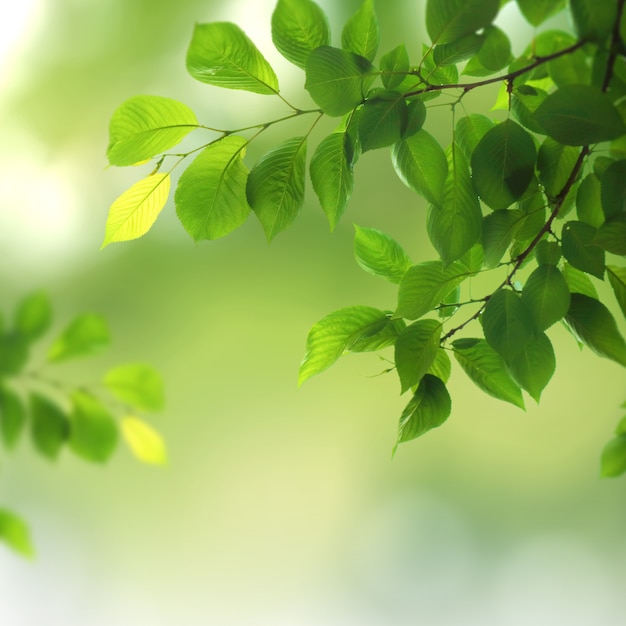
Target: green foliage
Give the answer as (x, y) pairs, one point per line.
(59, 415)
(530, 195)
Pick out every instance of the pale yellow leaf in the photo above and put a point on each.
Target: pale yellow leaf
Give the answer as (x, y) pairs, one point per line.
(145, 442)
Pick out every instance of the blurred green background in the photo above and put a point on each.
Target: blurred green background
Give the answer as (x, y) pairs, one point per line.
(280, 505)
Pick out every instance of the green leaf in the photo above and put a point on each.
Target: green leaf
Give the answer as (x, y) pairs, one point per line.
(134, 213)
(593, 20)
(378, 336)
(14, 532)
(416, 349)
(429, 408)
(498, 231)
(12, 417)
(613, 460)
(145, 442)
(382, 120)
(138, 385)
(548, 252)
(611, 236)
(211, 194)
(570, 69)
(508, 324)
(33, 315)
(379, 254)
(533, 368)
(537, 11)
(425, 285)
(487, 370)
(332, 175)
(275, 188)
(525, 100)
(579, 249)
(93, 431)
(601, 164)
(455, 226)
(457, 51)
(578, 282)
(620, 429)
(13, 353)
(416, 116)
(589, 202)
(394, 67)
(145, 126)
(49, 427)
(441, 367)
(613, 189)
(337, 79)
(596, 327)
(221, 54)
(361, 33)
(503, 164)
(617, 278)
(451, 20)
(421, 164)
(579, 115)
(546, 296)
(555, 163)
(470, 130)
(86, 335)
(334, 334)
(495, 51)
(298, 27)
(474, 259)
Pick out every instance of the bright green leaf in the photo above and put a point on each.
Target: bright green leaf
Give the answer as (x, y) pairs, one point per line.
(613, 461)
(394, 67)
(525, 100)
(617, 278)
(86, 335)
(145, 442)
(578, 282)
(134, 213)
(221, 54)
(361, 33)
(470, 130)
(275, 188)
(533, 368)
(457, 51)
(382, 120)
(136, 384)
(377, 336)
(211, 194)
(441, 367)
(416, 116)
(49, 426)
(12, 417)
(416, 349)
(546, 296)
(33, 315)
(451, 20)
(379, 254)
(145, 126)
(14, 532)
(579, 249)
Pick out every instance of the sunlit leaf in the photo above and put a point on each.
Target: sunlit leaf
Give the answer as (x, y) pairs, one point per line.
(93, 431)
(378, 336)
(525, 100)
(578, 282)
(457, 51)
(361, 33)
(394, 66)
(470, 130)
(546, 295)
(534, 366)
(145, 442)
(14, 532)
(87, 334)
(415, 352)
(138, 385)
(451, 20)
(379, 254)
(613, 461)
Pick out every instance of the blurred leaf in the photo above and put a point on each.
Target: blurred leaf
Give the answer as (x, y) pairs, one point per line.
(275, 188)
(394, 66)
(12, 417)
(221, 54)
(534, 366)
(613, 461)
(337, 79)
(383, 120)
(145, 126)
(451, 20)
(33, 315)
(415, 352)
(487, 370)
(361, 33)
(298, 27)
(589, 202)
(379, 254)
(86, 335)
(611, 236)
(593, 20)
(50, 426)
(613, 189)
(93, 431)
(617, 278)
(138, 385)
(134, 213)
(145, 442)
(14, 532)
(495, 51)
(537, 11)
(546, 295)
(211, 194)
(13, 353)
(579, 249)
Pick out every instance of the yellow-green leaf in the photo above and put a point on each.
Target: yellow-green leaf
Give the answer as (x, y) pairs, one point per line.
(145, 442)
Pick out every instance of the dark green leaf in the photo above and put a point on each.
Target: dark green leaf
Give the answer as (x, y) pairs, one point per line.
(533, 368)
(221, 54)
(332, 176)
(361, 33)
(145, 126)
(579, 249)
(457, 51)
(421, 164)
(487, 370)
(613, 462)
(138, 385)
(416, 116)
(578, 282)
(298, 27)
(13, 353)
(451, 20)
(379, 254)
(329, 338)
(617, 278)
(87, 334)
(435, 74)
(525, 100)
(498, 231)
(429, 408)
(470, 130)
(337, 79)
(594, 20)
(596, 327)
(588, 201)
(455, 225)
(555, 163)
(548, 252)
(613, 191)
(93, 431)
(382, 120)
(211, 194)
(12, 417)
(611, 236)
(416, 349)
(546, 296)
(33, 315)
(275, 188)
(425, 285)
(601, 164)
(50, 426)
(508, 324)
(537, 11)
(394, 67)
(579, 115)
(495, 51)
(14, 532)
(503, 164)
(570, 69)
